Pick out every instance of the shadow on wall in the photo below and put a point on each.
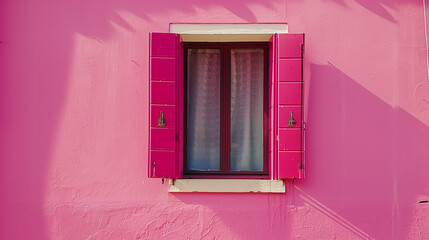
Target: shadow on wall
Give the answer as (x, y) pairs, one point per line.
(36, 48)
(367, 161)
(366, 169)
(35, 51)
(81, 17)
(36, 44)
(379, 7)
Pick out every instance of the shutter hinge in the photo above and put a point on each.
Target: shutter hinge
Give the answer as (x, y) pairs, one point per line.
(277, 137)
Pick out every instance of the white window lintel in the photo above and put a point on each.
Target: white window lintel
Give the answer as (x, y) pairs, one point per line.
(227, 32)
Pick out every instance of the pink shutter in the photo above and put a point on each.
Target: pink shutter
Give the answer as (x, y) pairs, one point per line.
(165, 97)
(288, 57)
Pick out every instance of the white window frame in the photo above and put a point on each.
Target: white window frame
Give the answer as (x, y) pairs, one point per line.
(227, 33)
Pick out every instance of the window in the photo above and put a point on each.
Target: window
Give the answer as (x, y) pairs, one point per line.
(197, 122)
(226, 109)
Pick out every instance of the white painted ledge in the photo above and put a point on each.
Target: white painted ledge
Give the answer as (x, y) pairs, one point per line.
(256, 28)
(227, 32)
(226, 185)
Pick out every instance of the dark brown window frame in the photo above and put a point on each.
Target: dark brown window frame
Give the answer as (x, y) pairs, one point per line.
(225, 85)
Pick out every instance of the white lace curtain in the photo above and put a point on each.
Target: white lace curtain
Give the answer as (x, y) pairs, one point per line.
(247, 109)
(203, 109)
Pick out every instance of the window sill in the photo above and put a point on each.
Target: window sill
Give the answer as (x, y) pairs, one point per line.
(226, 185)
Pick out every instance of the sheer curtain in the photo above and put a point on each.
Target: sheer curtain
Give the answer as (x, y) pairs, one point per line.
(203, 109)
(247, 109)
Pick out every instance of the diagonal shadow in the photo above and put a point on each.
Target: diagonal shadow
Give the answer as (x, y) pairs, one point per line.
(36, 54)
(366, 159)
(364, 171)
(377, 174)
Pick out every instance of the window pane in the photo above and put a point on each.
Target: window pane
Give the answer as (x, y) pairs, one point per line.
(203, 109)
(247, 109)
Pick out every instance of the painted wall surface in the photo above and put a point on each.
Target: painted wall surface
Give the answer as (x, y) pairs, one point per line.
(74, 116)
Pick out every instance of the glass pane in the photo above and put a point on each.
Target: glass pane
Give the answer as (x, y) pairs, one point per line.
(247, 109)
(203, 110)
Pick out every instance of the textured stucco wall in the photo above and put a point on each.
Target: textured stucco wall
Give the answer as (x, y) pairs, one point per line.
(73, 123)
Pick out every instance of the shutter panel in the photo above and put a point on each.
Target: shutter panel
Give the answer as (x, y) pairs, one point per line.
(288, 57)
(165, 93)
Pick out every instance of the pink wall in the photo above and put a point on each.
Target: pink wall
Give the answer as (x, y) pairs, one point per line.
(73, 124)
